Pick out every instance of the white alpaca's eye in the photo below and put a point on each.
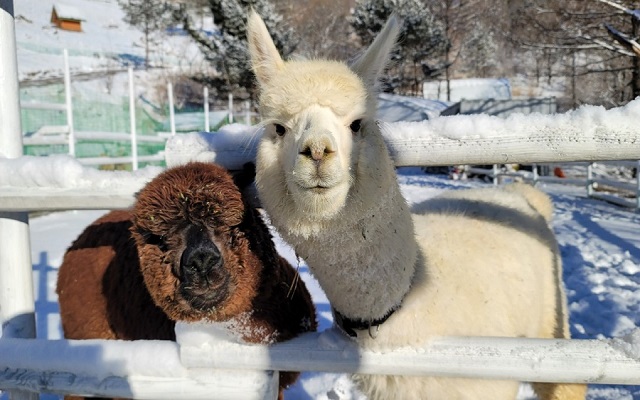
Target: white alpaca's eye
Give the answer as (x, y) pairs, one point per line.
(356, 125)
(280, 129)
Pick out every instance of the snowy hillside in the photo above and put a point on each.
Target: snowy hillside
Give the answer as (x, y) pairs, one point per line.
(106, 42)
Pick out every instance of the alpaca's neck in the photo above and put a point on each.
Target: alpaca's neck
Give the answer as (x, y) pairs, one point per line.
(365, 257)
(365, 266)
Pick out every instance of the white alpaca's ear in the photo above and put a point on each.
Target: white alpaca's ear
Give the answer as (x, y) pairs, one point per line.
(265, 59)
(371, 64)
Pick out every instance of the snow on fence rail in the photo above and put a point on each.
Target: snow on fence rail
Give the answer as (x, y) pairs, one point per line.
(587, 134)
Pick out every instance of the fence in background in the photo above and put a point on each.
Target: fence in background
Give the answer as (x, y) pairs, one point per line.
(121, 134)
(622, 191)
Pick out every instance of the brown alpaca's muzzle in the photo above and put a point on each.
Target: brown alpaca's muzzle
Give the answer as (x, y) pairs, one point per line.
(204, 280)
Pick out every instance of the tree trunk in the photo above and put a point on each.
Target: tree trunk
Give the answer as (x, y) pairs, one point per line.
(146, 50)
(147, 29)
(635, 77)
(574, 97)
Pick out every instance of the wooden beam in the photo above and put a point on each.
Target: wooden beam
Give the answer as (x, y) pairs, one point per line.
(53, 199)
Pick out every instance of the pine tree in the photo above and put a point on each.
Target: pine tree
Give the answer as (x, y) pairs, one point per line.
(480, 54)
(226, 48)
(149, 16)
(421, 40)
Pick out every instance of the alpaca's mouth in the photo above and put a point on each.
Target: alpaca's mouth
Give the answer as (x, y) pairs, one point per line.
(205, 295)
(206, 301)
(313, 180)
(317, 184)
(314, 187)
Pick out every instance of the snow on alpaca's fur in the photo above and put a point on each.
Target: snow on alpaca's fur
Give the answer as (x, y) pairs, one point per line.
(191, 249)
(479, 263)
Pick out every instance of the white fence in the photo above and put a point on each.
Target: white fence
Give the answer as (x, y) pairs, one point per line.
(594, 361)
(153, 369)
(68, 134)
(623, 192)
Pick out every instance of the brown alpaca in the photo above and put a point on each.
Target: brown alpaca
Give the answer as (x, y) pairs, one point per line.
(191, 249)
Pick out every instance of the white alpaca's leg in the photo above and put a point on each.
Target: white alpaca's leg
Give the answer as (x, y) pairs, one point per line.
(435, 388)
(560, 391)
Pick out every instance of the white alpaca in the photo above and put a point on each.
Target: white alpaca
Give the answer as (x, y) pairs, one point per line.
(477, 262)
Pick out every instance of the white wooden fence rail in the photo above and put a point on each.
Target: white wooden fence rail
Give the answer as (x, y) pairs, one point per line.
(178, 371)
(588, 134)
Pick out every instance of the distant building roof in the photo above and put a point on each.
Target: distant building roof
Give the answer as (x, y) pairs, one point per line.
(504, 108)
(65, 11)
(469, 89)
(392, 108)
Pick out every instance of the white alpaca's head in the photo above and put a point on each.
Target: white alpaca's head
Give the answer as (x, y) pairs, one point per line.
(320, 125)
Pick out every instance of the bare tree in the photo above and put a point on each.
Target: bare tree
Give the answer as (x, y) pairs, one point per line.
(598, 67)
(474, 32)
(322, 27)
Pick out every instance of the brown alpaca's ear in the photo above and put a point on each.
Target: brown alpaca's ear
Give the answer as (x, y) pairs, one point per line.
(372, 63)
(265, 59)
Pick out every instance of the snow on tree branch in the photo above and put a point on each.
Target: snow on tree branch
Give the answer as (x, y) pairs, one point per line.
(623, 39)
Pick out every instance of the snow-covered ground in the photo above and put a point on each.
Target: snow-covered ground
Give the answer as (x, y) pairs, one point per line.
(599, 242)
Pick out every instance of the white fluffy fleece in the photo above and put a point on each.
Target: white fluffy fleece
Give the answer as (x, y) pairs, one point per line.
(477, 262)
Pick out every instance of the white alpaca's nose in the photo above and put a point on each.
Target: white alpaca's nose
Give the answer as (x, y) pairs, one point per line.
(317, 147)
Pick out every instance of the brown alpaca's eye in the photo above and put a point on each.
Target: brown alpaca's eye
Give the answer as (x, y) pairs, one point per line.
(356, 125)
(280, 129)
(154, 240)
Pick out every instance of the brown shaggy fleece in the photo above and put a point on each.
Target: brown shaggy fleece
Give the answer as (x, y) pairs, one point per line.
(191, 249)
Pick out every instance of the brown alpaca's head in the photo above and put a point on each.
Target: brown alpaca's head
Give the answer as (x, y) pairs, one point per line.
(192, 233)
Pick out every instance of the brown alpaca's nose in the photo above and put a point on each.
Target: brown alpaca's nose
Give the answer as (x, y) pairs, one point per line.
(201, 256)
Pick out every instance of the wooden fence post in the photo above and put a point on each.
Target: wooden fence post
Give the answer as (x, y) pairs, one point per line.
(206, 109)
(590, 179)
(17, 306)
(172, 115)
(69, 107)
(638, 184)
(132, 119)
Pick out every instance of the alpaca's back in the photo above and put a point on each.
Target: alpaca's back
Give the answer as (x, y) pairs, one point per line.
(491, 251)
(101, 290)
(489, 266)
